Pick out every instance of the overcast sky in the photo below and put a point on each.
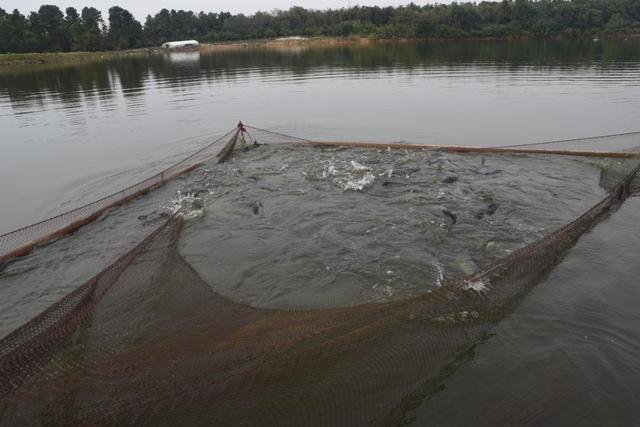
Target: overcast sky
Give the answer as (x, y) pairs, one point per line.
(142, 8)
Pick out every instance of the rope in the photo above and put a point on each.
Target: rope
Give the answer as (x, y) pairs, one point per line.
(452, 147)
(278, 133)
(561, 141)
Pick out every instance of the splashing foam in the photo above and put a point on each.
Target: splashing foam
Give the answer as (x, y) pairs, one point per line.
(361, 177)
(358, 184)
(360, 168)
(188, 205)
(440, 270)
(330, 169)
(357, 179)
(479, 286)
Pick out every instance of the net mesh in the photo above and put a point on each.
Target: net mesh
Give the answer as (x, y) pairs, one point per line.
(624, 142)
(22, 241)
(147, 341)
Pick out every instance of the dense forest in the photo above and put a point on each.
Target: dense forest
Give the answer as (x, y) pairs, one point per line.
(50, 29)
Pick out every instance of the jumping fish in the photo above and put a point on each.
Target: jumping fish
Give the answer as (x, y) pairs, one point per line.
(360, 168)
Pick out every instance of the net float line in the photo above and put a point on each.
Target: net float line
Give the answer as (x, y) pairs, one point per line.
(630, 152)
(22, 241)
(474, 149)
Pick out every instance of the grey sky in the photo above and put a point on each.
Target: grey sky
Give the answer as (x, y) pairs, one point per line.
(142, 8)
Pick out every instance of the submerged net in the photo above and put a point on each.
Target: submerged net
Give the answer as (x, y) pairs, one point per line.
(148, 341)
(22, 241)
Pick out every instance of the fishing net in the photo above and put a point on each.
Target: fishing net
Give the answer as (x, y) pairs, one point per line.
(22, 241)
(148, 341)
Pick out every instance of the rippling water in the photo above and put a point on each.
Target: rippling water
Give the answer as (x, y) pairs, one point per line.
(287, 227)
(568, 355)
(72, 134)
(298, 227)
(302, 228)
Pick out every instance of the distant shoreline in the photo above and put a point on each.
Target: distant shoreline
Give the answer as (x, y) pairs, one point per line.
(31, 60)
(20, 61)
(14, 61)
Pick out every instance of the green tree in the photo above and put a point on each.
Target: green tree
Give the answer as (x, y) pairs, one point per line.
(74, 30)
(617, 22)
(157, 29)
(13, 31)
(124, 31)
(50, 30)
(91, 24)
(48, 26)
(3, 30)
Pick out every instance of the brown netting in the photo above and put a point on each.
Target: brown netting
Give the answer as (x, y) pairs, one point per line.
(22, 241)
(23, 352)
(147, 341)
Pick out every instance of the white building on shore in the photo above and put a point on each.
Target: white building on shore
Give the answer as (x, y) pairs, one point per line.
(179, 44)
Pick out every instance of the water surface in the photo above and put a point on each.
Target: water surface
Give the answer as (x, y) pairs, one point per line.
(75, 133)
(294, 228)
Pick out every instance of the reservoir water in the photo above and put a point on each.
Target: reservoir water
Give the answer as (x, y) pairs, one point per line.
(297, 228)
(70, 135)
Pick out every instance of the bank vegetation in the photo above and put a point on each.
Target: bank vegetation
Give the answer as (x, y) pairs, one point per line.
(51, 30)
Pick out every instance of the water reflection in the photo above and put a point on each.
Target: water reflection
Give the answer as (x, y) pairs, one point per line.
(184, 57)
(131, 74)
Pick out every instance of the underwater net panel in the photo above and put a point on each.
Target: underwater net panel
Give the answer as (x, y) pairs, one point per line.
(148, 341)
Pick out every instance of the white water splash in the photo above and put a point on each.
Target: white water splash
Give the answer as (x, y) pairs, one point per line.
(330, 169)
(388, 173)
(479, 286)
(358, 184)
(357, 179)
(440, 270)
(188, 205)
(360, 168)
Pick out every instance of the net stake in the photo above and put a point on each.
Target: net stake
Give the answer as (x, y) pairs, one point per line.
(226, 151)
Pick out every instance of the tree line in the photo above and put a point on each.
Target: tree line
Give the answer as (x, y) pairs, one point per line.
(50, 30)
